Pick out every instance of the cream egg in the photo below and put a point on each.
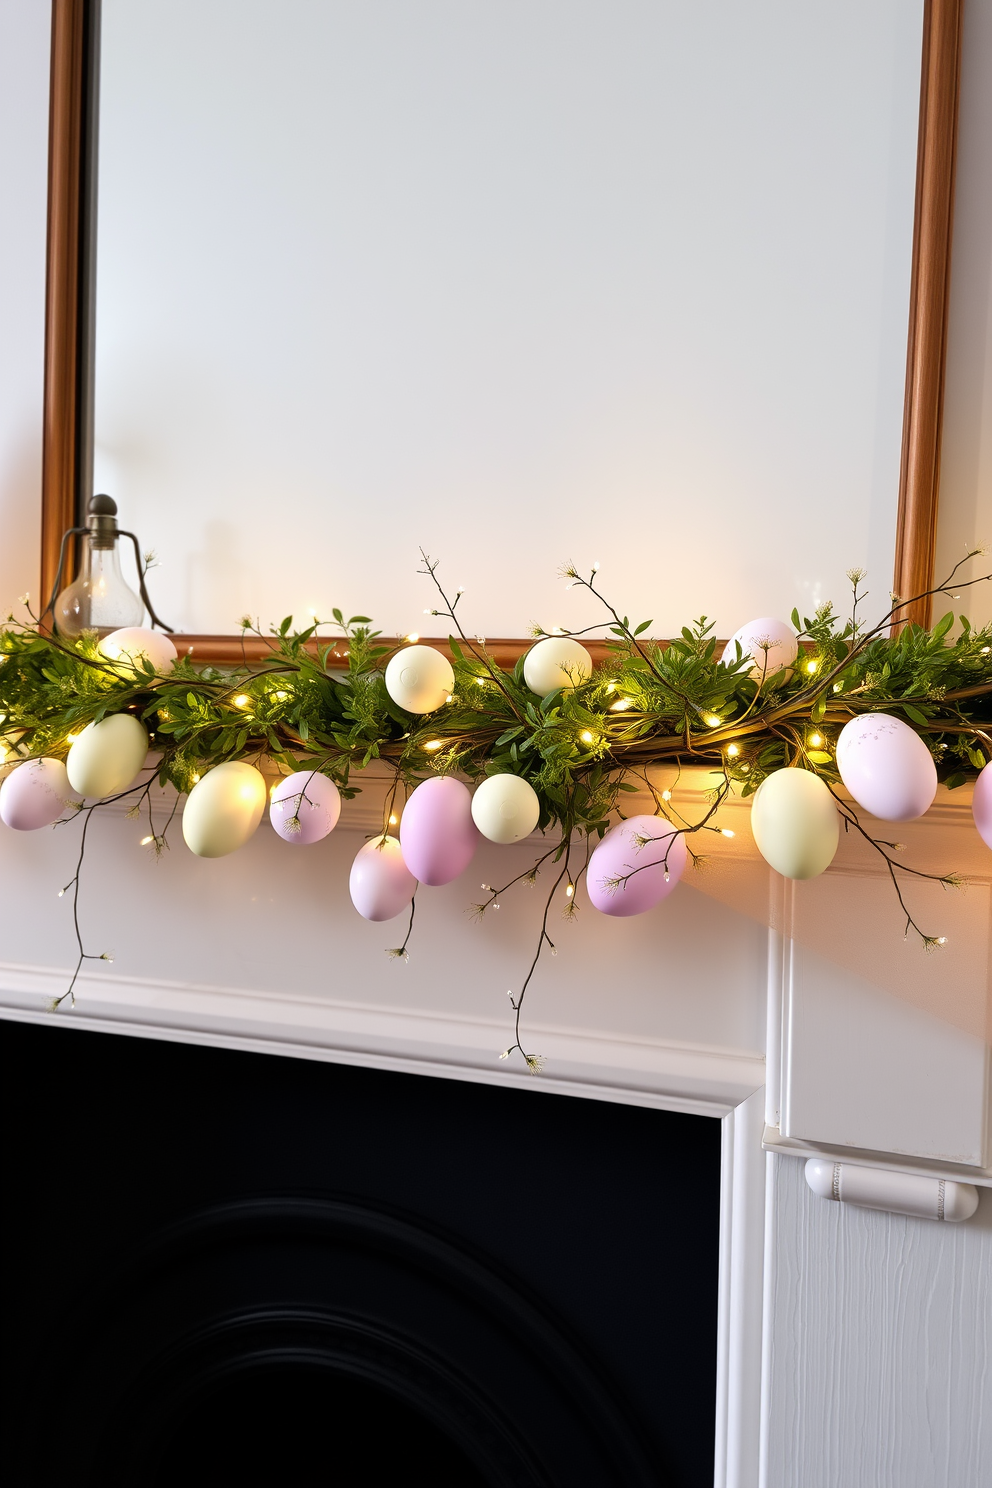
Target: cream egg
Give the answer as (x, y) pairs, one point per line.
(771, 644)
(134, 643)
(419, 679)
(557, 661)
(224, 809)
(107, 756)
(795, 823)
(505, 808)
(887, 767)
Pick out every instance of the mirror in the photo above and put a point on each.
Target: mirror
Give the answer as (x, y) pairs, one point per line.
(520, 281)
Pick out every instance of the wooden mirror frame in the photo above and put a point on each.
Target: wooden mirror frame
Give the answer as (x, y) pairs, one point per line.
(70, 295)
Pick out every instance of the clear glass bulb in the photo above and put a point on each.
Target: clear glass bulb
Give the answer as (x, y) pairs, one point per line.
(98, 598)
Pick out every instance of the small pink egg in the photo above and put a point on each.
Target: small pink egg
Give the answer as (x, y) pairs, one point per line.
(438, 834)
(887, 767)
(771, 644)
(622, 852)
(304, 807)
(981, 805)
(381, 884)
(35, 795)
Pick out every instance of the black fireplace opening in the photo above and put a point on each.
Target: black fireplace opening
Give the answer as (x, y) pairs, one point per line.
(231, 1267)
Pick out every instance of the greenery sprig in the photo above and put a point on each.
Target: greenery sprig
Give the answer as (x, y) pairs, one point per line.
(582, 748)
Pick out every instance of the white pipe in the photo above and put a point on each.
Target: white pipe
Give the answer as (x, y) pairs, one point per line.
(899, 1193)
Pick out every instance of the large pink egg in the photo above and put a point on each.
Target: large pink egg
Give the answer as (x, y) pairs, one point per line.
(887, 767)
(981, 805)
(438, 834)
(381, 884)
(624, 851)
(35, 795)
(304, 807)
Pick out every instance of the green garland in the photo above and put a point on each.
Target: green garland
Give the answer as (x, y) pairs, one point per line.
(580, 748)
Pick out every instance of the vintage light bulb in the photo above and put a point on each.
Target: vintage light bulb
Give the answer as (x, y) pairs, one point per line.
(98, 598)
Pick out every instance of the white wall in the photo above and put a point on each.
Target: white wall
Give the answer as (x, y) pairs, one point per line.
(522, 281)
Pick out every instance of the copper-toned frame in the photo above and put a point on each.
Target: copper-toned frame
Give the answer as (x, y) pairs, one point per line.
(69, 306)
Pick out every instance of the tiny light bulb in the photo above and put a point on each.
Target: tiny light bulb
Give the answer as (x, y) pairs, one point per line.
(816, 740)
(986, 650)
(450, 698)
(570, 891)
(837, 687)
(733, 750)
(941, 939)
(666, 795)
(145, 841)
(711, 720)
(433, 744)
(412, 638)
(811, 666)
(586, 737)
(726, 832)
(622, 705)
(480, 681)
(241, 701)
(195, 778)
(71, 738)
(393, 820)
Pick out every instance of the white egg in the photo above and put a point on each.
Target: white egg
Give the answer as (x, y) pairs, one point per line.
(887, 767)
(555, 662)
(505, 808)
(795, 823)
(134, 642)
(107, 756)
(223, 809)
(419, 679)
(769, 642)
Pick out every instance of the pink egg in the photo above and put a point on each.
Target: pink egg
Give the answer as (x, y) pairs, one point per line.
(624, 851)
(438, 834)
(981, 805)
(771, 644)
(304, 807)
(381, 884)
(887, 767)
(35, 795)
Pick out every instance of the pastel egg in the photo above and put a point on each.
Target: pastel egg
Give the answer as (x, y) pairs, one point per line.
(437, 832)
(981, 805)
(304, 807)
(107, 756)
(887, 767)
(35, 795)
(419, 679)
(135, 643)
(627, 873)
(795, 823)
(771, 643)
(555, 662)
(381, 884)
(505, 808)
(223, 809)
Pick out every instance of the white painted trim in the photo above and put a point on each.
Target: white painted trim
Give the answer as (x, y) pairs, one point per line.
(739, 1339)
(861, 1157)
(708, 1081)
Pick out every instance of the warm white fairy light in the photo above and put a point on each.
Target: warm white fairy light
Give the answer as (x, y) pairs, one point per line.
(145, 841)
(622, 705)
(733, 750)
(666, 795)
(433, 744)
(816, 740)
(726, 832)
(195, 778)
(480, 681)
(569, 891)
(587, 737)
(985, 650)
(242, 700)
(393, 819)
(412, 638)
(838, 687)
(812, 666)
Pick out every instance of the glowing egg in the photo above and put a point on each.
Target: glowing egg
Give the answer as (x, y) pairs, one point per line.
(419, 679)
(505, 808)
(107, 756)
(304, 807)
(627, 871)
(437, 832)
(981, 805)
(795, 823)
(557, 661)
(771, 644)
(381, 884)
(135, 643)
(887, 767)
(223, 809)
(35, 795)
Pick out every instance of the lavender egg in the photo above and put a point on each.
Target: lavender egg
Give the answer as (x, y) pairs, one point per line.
(622, 852)
(381, 884)
(437, 832)
(887, 767)
(35, 795)
(981, 805)
(304, 807)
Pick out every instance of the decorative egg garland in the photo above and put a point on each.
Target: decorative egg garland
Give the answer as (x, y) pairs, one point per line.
(785, 713)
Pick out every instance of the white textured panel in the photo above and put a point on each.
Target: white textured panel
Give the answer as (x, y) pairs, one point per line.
(879, 1348)
(868, 1070)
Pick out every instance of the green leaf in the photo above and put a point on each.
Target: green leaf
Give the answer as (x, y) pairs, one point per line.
(819, 757)
(957, 779)
(643, 626)
(794, 617)
(338, 616)
(916, 715)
